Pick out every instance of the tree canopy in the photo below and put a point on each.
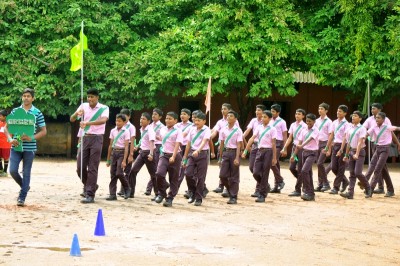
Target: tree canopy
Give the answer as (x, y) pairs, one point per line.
(141, 50)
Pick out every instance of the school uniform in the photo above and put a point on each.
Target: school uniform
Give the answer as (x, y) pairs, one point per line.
(254, 123)
(262, 165)
(280, 125)
(185, 128)
(323, 125)
(295, 166)
(196, 169)
(157, 145)
(118, 138)
(147, 135)
(383, 138)
(170, 136)
(132, 133)
(353, 135)
(309, 155)
(229, 172)
(339, 128)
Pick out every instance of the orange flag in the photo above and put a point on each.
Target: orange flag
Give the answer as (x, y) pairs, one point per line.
(207, 102)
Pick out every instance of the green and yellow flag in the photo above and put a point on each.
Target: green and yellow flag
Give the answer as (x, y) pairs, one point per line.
(76, 53)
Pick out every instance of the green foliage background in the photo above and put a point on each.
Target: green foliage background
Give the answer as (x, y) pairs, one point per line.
(144, 53)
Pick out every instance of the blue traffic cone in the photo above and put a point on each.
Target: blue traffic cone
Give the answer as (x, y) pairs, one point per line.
(75, 249)
(99, 230)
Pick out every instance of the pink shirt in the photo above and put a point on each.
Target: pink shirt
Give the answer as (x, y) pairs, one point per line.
(295, 128)
(222, 123)
(312, 134)
(323, 128)
(254, 123)
(89, 112)
(280, 126)
(131, 129)
(236, 137)
(205, 134)
(174, 137)
(147, 135)
(360, 133)
(185, 128)
(120, 142)
(386, 136)
(339, 128)
(371, 122)
(266, 141)
(157, 127)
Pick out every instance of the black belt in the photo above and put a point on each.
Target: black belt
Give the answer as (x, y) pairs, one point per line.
(200, 151)
(230, 149)
(264, 149)
(92, 135)
(118, 149)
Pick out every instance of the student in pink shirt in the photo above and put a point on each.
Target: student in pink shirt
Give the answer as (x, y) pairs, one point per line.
(382, 134)
(170, 160)
(185, 126)
(117, 156)
(355, 154)
(266, 154)
(295, 165)
(231, 141)
(308, 142)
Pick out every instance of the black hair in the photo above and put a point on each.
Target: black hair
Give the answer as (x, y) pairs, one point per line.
(227, 105)
(382, 114)
(173, 115)
(235, 114)
(359, 114)
(268, 113)
(324, 105)
(125, 111)
(122, 117)
(158, 111)
(93, 91)
(311, 116)
(377, 105)
(146, 115)
(343, 107)
(3, 112)
(301, 111)
(187, 111)
(261, 106)
(201, 115)
(30, 91)
(276, 107)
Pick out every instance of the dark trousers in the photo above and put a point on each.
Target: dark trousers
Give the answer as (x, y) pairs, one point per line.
(164, 167)
(378, 163)
(370, 171)
(305, 175)
(156, 156)
(229, 173)
(295, 168)
(338, 166)
(181, 169)
(196, 172)
(322, 171)
(262, 166)
(141, 160)
(356, 168)
(91, 155)
(252, 159)
(116, 171)
(276, 169)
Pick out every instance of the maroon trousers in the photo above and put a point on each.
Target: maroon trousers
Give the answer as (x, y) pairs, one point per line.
(309, 158)
(156, 156)
(196, 172)
(181, 169)
(141, 160)
(295, 168)
(91, 155)
(322, 171)
(276, 169)
(252, 159)
(370, 171)
(338, 166)
(356, 167)
(378, 163)
(116, 171)
(164, 167)
(262, 166)
(229, 172)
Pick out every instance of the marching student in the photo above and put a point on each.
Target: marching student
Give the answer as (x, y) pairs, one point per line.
(323, 123)
(170, 160)
(146, 153)
(231, 141)
(266, 154)
(383, 138)
(336, 135)
(185, 126)
(252, 127)
(281, 137)
(355, 155)
(117, 156)
(295, 165)
(195, 159)
(308, 142)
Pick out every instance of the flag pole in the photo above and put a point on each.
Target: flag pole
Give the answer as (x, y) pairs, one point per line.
(83, 133)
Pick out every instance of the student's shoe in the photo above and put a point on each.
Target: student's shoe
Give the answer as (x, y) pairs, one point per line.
(307, 197)
(275, 190)
(20, 203)
(281, 185)
(205, 192)
(318, 189)
(256, 194)
(218, 190)
(345, 185)
(346, 195)
(389, 194)
(360, 185)
(232, 201)
(260, 199)
(368, 193)
(225, 194)
(111, 197)
(191, 200)
(127, 193)
(379, 191)
(295, 194)
(147, 193)
(87, 200)
(167, 203)
(121, 192)
(325, 188)
(333, 191)
(83, 194)
(153, 199)
(197, 202)
(159, 199)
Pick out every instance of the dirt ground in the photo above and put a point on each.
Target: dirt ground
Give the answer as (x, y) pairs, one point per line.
(283, 231)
